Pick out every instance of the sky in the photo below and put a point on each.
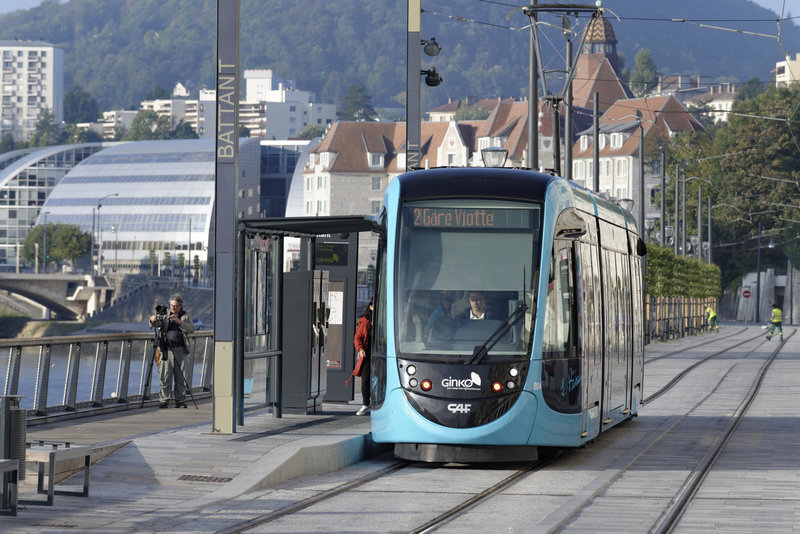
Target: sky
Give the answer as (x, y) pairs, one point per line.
(792, 6)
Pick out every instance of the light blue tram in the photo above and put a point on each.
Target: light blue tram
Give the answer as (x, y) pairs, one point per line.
(508, 315)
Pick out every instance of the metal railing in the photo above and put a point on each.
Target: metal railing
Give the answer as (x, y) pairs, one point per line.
(68, 373)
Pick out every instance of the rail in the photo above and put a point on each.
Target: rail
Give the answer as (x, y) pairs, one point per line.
(104, 371)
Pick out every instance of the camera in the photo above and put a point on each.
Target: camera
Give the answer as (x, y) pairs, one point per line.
(162, 315)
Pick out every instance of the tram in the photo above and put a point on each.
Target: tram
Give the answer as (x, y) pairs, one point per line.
(508, 315)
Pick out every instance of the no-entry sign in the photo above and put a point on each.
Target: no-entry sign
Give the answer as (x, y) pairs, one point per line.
(746, 293)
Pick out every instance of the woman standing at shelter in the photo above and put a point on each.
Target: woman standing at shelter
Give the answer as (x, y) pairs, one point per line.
(362, 344)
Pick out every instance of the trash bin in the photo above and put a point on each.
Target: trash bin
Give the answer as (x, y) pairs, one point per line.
(13, 428)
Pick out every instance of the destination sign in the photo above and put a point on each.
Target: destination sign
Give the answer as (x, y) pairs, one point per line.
(486, 218)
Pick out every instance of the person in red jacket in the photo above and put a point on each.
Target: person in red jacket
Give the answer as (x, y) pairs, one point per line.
(362, 344)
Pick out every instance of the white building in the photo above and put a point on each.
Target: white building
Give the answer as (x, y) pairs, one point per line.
(787, 71)
(270, 108)
(33, 82)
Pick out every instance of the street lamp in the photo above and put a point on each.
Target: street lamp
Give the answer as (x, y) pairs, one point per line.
(663, 188)
(100, 233)
(494, 156)
(695, 241)
(115, 229)
(46, 213)
(649, 224)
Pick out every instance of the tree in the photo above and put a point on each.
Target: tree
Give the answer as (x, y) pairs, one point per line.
(468, 113)
(357, 105)
(157, 93)
(73, 134)
(183, 130)
(645, 74)
(80, 106)
(47, 132)
(167, 262)
(7, 143)
(750, 89)
(311, 131)
(65, 242)
(153, 260)
(147, 125)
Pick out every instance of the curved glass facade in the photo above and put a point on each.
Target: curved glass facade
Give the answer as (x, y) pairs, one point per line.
(149, 204)
(27, 177)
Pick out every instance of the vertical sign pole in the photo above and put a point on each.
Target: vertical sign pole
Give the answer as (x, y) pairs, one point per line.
(225, 196)
(413, 68)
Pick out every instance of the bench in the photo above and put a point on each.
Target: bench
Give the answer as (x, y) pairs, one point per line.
(9, 473)
(47, 454)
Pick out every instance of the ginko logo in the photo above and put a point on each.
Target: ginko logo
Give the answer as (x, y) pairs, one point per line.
(473, 382)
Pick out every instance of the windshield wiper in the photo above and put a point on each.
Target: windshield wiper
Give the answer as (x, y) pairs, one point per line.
(480, 351)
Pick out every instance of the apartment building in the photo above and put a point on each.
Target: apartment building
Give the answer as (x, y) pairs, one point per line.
(787, 71)
(32, 83)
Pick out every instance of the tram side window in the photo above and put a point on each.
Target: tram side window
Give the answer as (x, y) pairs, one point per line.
(558, 310)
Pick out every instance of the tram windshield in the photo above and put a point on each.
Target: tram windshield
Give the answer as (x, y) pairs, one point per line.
(464, 269)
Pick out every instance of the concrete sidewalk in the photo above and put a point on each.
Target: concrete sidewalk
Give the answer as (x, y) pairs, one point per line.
(153, 464)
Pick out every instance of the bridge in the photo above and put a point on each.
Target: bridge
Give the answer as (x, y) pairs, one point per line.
(67, 296)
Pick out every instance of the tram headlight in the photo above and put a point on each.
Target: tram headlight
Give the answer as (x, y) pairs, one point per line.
(426, 385)
(513, 372)
(413, 382)
(510, 384)
(411, 370)
(497, 387)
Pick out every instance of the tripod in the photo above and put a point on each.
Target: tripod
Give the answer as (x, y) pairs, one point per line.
(156, 344)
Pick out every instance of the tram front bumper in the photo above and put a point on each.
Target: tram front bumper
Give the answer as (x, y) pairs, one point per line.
(396, 421)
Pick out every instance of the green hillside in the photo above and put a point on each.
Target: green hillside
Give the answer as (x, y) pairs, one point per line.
(120, 49)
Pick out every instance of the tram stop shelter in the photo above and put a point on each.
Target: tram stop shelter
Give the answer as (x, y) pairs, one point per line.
(294, 329)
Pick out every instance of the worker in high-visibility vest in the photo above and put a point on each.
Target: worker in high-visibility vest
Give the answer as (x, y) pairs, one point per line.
(711, 315)
(775, 322)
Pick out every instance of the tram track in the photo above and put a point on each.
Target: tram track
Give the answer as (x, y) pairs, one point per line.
(709, 341)
(295, 507)
(481, 497)
(672, 515)
(677, 378)
(680, 501)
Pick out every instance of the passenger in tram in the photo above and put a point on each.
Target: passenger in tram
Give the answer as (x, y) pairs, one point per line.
(175, 353)
(776, 322)
(477, 307)
(444, 310)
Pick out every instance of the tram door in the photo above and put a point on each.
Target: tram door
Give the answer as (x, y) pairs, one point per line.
(618, 327)
(590, 319)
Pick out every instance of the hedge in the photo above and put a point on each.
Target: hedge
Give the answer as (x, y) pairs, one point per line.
(669, 275)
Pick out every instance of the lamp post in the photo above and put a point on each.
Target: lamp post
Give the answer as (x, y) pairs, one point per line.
(100, 233)
(699, 212)
(708, 253)
(641, 168)
(758, 276)
(46, 213)
(663, 238)
(115, 229)
(677, 207)
(414, 82)
(699, 221)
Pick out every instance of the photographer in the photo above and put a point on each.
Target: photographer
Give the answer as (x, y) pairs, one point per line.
(174, 346)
